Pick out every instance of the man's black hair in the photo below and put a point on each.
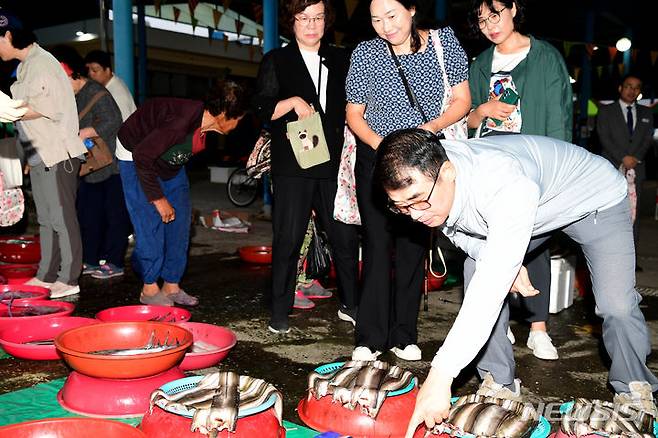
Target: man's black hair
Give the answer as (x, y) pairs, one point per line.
(407, 149)
(70, 56)
(100, 57)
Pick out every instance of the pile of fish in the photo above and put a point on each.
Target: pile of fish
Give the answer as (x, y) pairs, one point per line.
(152, 346)
(361, 383)
(217, 399)
(26, 310)
(488, 417)
(15, 295)
(598, 417)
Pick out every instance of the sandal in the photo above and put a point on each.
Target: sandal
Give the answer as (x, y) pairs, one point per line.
(182, 298)
(159, 299)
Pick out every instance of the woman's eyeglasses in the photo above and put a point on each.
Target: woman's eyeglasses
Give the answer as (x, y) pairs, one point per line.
(418, 206)
(493, 18)
(305, 20)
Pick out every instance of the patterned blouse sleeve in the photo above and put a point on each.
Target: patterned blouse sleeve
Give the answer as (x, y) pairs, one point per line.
(454, 57)
(356, 89)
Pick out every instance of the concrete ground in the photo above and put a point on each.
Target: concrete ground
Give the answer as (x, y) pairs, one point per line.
(233, 294)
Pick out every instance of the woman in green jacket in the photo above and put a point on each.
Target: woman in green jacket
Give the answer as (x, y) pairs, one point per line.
(520, 85)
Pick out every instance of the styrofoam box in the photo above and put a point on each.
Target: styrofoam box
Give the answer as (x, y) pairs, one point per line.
(220, 174)
(563, 277)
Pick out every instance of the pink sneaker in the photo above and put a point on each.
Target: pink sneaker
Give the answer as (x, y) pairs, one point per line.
(301, 302)
(315, 290)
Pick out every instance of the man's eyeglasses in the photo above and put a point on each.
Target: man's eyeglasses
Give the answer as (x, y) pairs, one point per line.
(305, 20)
(418, 206)
(493, 18)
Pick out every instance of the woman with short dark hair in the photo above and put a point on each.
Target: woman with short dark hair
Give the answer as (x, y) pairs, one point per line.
(293, 82)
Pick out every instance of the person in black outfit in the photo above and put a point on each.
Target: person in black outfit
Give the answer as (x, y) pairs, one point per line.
(293, 82)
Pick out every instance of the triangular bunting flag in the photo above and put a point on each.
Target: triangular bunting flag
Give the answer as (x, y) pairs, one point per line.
(634, 54)
(259, 34)
(599, 71)
(567, 48)
(210, 31)
(226, 3)
(225, 42)
(176, 14)
(195, 21)
(156, 6)
(613, 52)
(257, 8)
(238, 26)
(621, 69)
(192, 4)
(216, 16)
(590, 49)
(654, 56)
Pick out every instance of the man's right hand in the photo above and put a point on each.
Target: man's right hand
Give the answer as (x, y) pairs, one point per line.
(166, 211)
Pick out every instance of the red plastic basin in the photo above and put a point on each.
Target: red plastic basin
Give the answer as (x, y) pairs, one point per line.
(162, 424)
(392, 420)
(13, 339)
(18, 273)
(74, 345)
(144, 313)
(256, 254)
(20, 249)
(115, 398)
(62, 309)
(71, 428)
(23, 292)
(221, 337)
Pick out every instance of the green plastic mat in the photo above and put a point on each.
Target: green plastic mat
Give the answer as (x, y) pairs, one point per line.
(40, 402)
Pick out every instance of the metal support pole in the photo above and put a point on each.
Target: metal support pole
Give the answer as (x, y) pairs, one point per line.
(124, 65)
(141, 51)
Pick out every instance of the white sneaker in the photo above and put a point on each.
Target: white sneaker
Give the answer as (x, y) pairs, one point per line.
(639, 396)
(365, 354)
(489, 388)
(410, 352)
(34, 281)
(59, 290)
(510, 335)
(541, 345)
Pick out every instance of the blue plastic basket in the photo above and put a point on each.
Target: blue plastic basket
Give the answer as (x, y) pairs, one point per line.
(186, 383)
(542, 430)
(335, 366)
(566, 407)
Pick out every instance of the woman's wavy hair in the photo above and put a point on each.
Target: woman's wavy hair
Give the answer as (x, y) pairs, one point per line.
(294, 7)
(474, 13)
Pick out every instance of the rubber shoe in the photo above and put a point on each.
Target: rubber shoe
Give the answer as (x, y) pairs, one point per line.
(89, 269)
(301, 302)
(489, 388)
(510, 335)
(347, 315)
(159, 299)
(411, 352)
(60, 290)
(183, 298)
(279, 328)
(639, 397)
(315, 290)
(34, 281)
(365, 354)
(108, 270)
(540, 344)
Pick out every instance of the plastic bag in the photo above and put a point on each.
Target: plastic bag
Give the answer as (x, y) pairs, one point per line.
(318, 259)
